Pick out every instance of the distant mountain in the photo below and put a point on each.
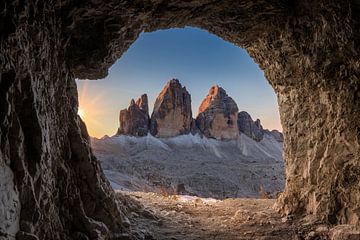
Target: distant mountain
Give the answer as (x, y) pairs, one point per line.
(172, 116)
(135, 119)
(218, 115)
(222, 153)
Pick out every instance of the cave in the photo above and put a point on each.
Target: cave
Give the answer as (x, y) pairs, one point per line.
(52, 186)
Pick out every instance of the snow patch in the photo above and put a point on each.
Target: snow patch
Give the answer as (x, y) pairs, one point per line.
(192, 164)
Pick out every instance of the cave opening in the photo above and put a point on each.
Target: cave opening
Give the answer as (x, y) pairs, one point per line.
(186, 139)
(52, 186)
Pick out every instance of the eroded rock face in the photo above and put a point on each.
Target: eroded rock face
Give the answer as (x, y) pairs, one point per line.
(217, 116)
(309, 51)
(135, 120)
(172, 114)
(52, 186)
(250, 128)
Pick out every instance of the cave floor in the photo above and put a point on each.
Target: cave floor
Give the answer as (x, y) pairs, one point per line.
(154, 216)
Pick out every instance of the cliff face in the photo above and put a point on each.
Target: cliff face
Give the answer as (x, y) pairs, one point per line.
(172, 114)
(250, 128)
(135, 120)
(309, 51)
(218, 115)
(51, 185)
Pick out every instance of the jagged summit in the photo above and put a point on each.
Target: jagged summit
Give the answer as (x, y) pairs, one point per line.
(143, 103)
(172, 113)
(135, 119)
(218, 115)
(172, 116)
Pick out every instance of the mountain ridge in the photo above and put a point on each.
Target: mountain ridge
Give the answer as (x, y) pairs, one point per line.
(218, 116)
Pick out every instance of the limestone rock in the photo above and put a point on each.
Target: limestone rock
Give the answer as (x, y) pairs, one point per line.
(143, 103)
(250, 128)
(309, 51)
(345, 232)
(217, 116)
(135, 120)
(172, 113)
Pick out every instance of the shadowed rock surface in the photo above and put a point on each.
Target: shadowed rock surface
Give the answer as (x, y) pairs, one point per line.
(309, 51)
(276, 134)
(172, 114)
(217, 116)
(135, 120)
(250, 128)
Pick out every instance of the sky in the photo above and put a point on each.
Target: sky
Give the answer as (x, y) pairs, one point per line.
(197, 58)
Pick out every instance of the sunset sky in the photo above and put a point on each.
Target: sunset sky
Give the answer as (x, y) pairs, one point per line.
(198, 59)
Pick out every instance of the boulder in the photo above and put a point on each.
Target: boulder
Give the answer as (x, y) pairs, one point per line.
(218, 115)
(172, 113)
(135, 119)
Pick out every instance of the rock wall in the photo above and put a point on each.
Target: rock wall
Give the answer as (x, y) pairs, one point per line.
(172, 113)
(250, 128)
(217, 116)
(309, 51)
(135, 119)
(51, 185)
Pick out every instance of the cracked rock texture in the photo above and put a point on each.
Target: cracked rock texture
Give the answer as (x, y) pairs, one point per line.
(309, 51)
(217, 116)
(172, 114)
(135, 120)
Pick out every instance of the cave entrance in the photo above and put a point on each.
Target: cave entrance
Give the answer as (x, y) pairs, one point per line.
(198, 136)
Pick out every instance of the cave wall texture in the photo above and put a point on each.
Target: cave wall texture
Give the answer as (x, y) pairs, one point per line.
(52, 187)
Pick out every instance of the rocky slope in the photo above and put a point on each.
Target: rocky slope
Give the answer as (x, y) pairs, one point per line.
(172, 111)
(221, 154)
(193, 165)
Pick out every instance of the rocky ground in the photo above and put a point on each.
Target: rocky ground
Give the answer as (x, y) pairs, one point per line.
(192, 165)
(156, 216)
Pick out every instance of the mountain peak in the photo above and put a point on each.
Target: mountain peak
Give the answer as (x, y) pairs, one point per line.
(218, 98)
(217, 91)
(135, 119)
(218, 115)
(172, 111)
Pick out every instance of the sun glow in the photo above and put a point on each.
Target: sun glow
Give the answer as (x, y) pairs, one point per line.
(91, 109)
(81, 113)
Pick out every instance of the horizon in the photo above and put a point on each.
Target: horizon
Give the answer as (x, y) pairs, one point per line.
(198, 59)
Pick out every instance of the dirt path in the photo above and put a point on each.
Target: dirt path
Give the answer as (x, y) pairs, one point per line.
(189, 218)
